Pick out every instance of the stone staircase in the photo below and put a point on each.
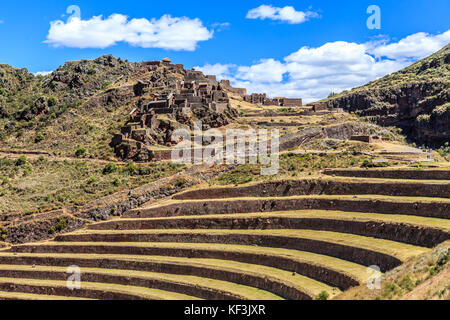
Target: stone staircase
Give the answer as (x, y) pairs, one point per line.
(276, 240)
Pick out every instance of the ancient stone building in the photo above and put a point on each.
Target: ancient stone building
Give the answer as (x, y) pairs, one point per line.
(262, 99)
(225, 84)
(317, 107)
(167, 103)
(287, 102)
(367, 139)
(256, 98)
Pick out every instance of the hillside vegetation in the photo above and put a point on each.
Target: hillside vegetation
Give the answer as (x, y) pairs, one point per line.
(75, 106)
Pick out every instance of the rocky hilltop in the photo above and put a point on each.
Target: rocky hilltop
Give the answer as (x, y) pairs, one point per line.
(83, 104)
(170, 98)
(415, 99)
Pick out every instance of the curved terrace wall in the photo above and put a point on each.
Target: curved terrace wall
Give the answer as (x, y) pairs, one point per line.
(393, 174)
(208, 207)
(319, 187)
(265, 283)
(399, 232)
(345, 252)
(191, 290)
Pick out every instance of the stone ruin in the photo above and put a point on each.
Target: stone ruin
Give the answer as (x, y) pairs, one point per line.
(368, 139)
(239, 91)
(171, 98)
(262, 99)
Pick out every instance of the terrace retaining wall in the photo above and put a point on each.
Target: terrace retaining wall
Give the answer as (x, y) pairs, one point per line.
(415, 235)
(288, 188)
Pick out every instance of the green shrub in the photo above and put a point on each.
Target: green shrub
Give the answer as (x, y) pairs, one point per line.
(407, 283)
(117, 182)
(39, 137)
(4, 180)
(21, 161)
(52, 101)
(110, 168)
(106, 84)
(92, 180)
(180, 183)
(323, 296)
(61, 224)
(28, 169)
(390, 290)
(131, 168)
(3, 234)
(332, 94)
(81, 151)
(444, 150)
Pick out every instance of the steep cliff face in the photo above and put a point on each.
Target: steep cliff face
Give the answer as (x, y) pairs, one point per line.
(415, 99)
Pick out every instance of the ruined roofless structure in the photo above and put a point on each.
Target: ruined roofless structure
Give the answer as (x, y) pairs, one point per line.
(195, 90)
(261, 98)
(178, 94)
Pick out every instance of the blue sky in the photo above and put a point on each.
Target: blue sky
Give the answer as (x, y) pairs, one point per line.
(261, 50)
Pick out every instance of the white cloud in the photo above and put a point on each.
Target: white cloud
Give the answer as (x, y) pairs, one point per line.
(415, 46)
(42, 73)
(313, 73)
(220, 26)
(168, 32)
(287, 14)
(221, 71)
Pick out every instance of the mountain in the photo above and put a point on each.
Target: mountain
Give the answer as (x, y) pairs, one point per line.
(415, 99)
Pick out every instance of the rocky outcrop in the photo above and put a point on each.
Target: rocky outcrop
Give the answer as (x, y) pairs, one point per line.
(415, 99)
(417, 108)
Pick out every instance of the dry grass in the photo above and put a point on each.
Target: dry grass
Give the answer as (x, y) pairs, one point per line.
(425, 277)
(35, 297)
(443, 224)
(42, 185)
(147, 293)
(305, 284)
(401, 251)
(239, 291)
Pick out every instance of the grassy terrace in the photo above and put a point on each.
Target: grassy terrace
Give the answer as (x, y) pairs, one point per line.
(37, 297)
(322, 177)
(141, 292)
(238, 291)
(434, 166)
(399, 250)
(397, 199)
(443, 224)
(305, 284)
(387, 181)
